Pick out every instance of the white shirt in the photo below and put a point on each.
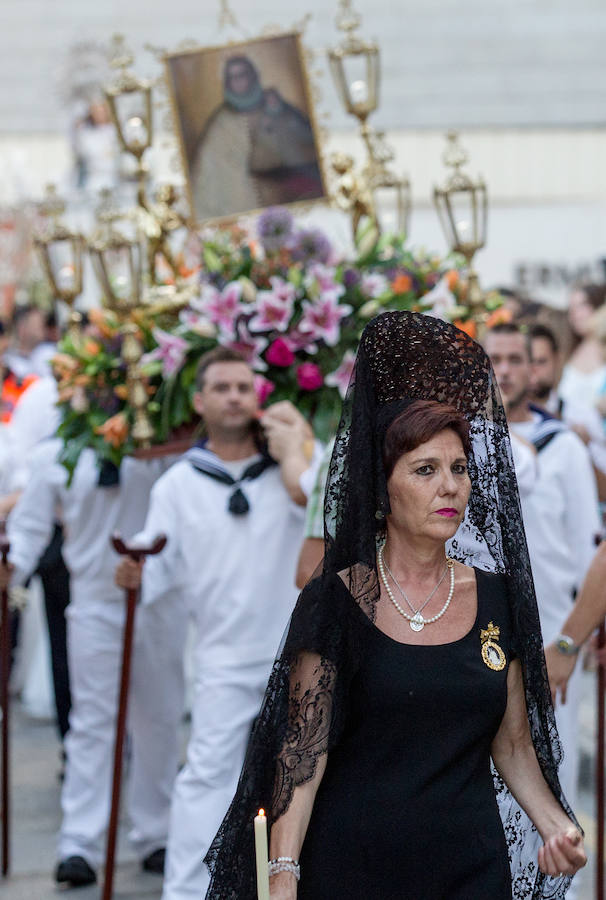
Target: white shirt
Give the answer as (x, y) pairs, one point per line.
(34, 419)
(561, 520)
(236, 573)
(586, 415)
(581, 388)
(90, 514)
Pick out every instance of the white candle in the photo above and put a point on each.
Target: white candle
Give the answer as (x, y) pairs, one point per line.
(261, 856)
(358, 91)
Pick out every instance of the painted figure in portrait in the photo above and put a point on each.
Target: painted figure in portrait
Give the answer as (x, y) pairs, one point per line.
(256, 148)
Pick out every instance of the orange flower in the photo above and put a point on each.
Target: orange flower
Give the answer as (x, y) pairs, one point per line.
(499, 316)
(452, 278)
(469, 327)
(103, 322)
(401, 284)
(82, 380)
(114, 430)
(91, 348)
(186, 271)
(65, 394)
(121, 391)
(64, 364)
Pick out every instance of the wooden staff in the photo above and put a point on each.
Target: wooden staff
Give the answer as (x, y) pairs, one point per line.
(136, 554)
(601, 808)
(5, 652)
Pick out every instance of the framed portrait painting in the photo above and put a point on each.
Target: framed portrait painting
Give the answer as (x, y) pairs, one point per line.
(246, 126)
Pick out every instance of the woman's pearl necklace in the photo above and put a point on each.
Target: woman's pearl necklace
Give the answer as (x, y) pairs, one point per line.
(416, 622)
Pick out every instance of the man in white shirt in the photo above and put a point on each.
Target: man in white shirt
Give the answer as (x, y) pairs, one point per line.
(560, 515)
(28, 334)
(584, 419)
(90, 513)
(234, 518)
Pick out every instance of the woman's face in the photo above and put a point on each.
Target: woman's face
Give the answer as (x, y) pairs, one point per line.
(429, 488)
(580, 312)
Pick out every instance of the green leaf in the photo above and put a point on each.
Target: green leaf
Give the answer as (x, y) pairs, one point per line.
(211, 260)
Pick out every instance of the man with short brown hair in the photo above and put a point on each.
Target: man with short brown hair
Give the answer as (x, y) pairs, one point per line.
(560, 514)
(233, 511)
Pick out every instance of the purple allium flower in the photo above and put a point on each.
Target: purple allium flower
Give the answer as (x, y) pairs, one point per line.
(311, 245)
(274, 228)
(351, 277)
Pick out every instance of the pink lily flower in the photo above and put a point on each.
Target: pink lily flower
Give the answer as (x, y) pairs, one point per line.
(171, 350)
(341, 377)
(321, 319)
(250, 347)
(274, 308)
(222, 307)
(197, 322)
(321, 278)
(296, 340)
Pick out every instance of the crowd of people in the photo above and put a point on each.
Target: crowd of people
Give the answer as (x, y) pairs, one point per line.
(248, 521)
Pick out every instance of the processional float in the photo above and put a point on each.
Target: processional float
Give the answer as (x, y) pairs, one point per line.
(125, 247)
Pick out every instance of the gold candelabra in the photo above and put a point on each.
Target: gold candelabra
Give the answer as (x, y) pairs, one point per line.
(61, 252)
(356, 71)
(132, 352)
(129, 99)
(462, 207)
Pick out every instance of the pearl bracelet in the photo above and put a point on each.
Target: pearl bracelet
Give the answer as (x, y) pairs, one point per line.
(284, 864)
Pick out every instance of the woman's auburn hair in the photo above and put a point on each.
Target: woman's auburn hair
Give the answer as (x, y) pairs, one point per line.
(419, 423)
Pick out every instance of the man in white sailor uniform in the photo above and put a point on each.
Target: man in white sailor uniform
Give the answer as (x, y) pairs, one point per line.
(560, 517)
(233, 511)
(96, 504)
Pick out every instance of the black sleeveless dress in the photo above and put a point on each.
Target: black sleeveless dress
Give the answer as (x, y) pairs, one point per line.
(406, 809)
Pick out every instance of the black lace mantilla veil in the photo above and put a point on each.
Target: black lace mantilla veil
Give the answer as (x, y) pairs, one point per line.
(402, 356)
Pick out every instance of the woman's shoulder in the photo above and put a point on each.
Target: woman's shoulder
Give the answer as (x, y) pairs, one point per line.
(491, 581)
(493, 596)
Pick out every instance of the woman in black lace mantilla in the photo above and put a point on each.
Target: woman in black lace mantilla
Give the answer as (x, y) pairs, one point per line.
(410, 702)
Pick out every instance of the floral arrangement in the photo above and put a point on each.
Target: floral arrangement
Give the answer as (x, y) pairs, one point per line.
(91, 380)
(284, 298)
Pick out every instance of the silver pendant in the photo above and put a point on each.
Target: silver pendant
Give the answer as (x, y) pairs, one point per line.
(417, 623)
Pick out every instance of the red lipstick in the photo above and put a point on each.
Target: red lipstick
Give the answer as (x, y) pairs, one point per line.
(448, 512)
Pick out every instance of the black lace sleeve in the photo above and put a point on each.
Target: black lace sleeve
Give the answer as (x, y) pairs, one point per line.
(300, 720)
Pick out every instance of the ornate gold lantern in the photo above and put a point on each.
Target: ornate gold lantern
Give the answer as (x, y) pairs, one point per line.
(355, 66)
(130, 104)
(389, 189)
(118, 263)
(117, 259)
(61, 253)
(462, 206)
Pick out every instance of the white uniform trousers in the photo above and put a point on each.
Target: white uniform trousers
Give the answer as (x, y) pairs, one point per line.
(226, 702)
(154, 714)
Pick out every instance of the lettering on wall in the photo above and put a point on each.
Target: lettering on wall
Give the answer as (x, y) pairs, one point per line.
(530, 276)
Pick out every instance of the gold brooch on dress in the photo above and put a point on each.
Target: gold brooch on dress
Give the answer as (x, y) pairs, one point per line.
(492, 654)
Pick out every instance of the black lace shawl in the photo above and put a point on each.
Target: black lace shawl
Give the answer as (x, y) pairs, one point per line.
(402, 356)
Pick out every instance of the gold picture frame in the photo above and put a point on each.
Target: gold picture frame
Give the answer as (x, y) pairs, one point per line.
(249, 137)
